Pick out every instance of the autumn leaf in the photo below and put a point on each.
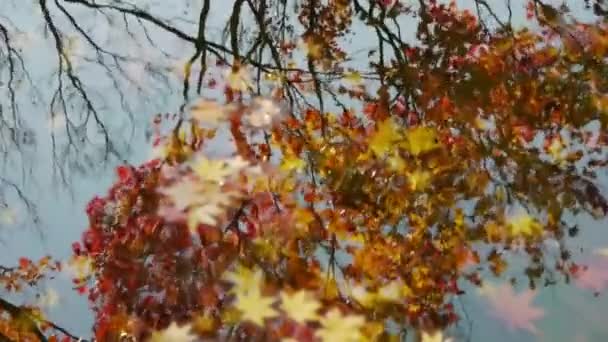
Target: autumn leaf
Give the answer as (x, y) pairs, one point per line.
(209, 112)
(244, 279)
(291, 162)
(262, 113)
(421, 140)
(212, 170)
(385, 138)
(436, 336)
(238, 79)
(337, 327)
(594, 276)
(80, 266)
(514, 310)
(556, 149)
(363, 296)
(204, 214)
(419, 179)
(203, 202)
(392, 292)
(185, 193)
(524, 225)
(300, 306)
(353, 77)
(254, 307)
(174, 333)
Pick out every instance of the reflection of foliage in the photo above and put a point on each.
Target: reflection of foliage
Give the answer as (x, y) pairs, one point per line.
(473, 144)
(23, 323)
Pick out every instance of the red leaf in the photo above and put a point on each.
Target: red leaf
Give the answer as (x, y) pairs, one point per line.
(24, 263)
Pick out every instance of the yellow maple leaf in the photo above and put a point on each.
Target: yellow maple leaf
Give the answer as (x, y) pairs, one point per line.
(436, 336)
(396, 163)
(301, 306)
(79, 266)
(174, 333)
(204, 323)
(244, 279)
(384, 139)
(337, 327)
(238, 79)
(254, 307)
(364, 297)
(419, 179)
(211, 170)
(353, 77)
(555, 149)
(291, 162)
(209, 112)
(391, 292)
(421, 139)
(524, 224)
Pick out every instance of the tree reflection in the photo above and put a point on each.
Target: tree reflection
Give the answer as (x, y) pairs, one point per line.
(520, 115)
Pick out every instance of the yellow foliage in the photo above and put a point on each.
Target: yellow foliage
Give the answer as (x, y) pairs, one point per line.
(524, 225)
(254, 307)
(291, 162)
(421, 140)
(336, 327)
(384, 139)
(300, 306)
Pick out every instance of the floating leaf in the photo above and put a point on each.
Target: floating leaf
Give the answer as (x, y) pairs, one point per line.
(514, 310)
(300, 306)
(337, 327)
(174, 333)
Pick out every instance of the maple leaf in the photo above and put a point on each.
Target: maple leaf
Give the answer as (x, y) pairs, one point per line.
(524, 224)
(514, 310)
(205, 214)
(208, 112)
(244, 279)
(254, 307)
(396, 163)
(421, 139)
(185, 194)
(79, 266)
(353, 77)
(263, 112)
(238, 79)
(291, 162)
(593, 277)
(436, 336)
(174, 333)
(301, 306)
(419, 179)
(384, 138)
(555, 149)
(212, 170)
(391, 292)
(363, 296)
(336, 327)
